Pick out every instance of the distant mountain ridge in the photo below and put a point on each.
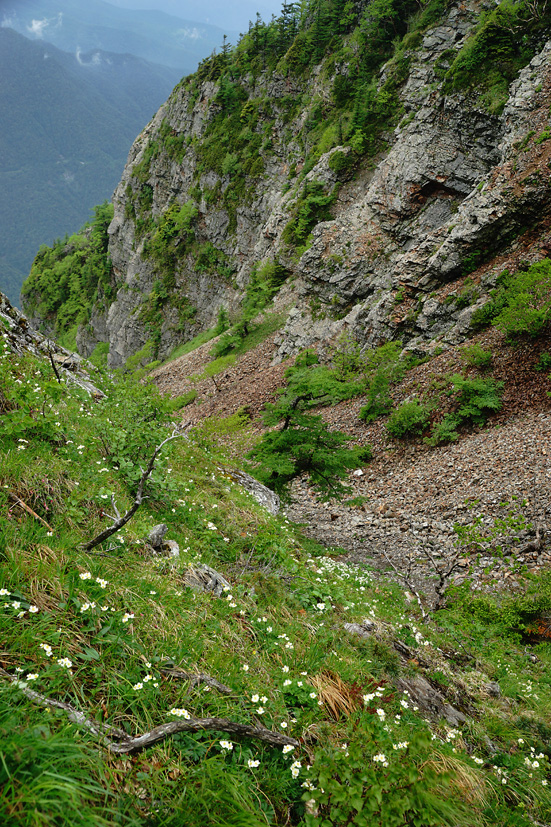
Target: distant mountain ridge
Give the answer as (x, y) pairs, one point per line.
(67, 128)
(72, 25)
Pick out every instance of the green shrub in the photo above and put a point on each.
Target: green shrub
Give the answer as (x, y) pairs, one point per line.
(312, 206)
(353, 786)
(544, 362)
(475, 355)
(174, 231)
(475, 400)
(445, 431)
(382, 368)
(408, 419)
(527, 307)
(521, 303)
(222, 322)
(341, 162)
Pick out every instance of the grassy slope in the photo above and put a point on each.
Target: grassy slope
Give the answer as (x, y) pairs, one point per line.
(120, 614)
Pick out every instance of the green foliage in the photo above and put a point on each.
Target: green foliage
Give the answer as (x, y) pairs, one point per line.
(520, 303)
(475, 356)
(304, 443)
(382, 368)
(48, 777)
(408, 419)
(72, 275)
(527, 307)
(366, 785)
(341, 162)
(28, 410)
(445, 431)
(311, 207)
(173, 234)
(477, 398)
(264, 283)
(544, 362)
(130, 423)
(474, 400)
(222, 322)
(209, 259)
(99, 355)
(494, 54)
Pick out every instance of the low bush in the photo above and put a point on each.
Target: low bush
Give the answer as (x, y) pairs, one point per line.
(408, 419)
(475, 400)
(527, 307)
(521, 303)
(475, 356)
(382, 368)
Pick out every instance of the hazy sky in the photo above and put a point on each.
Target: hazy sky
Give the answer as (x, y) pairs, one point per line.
(233, 15)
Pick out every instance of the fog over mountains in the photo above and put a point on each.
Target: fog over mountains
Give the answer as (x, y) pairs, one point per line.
(79, 79)
(74, 25)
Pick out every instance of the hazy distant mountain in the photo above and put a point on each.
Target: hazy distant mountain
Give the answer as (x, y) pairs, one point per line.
(93, 24)
(67, 125)
(234, 15)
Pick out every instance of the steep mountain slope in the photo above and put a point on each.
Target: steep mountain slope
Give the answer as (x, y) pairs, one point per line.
(202, 662)
(68, 124)
(376, 186)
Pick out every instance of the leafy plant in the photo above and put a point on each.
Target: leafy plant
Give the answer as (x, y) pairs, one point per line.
(304, 443)
(382, 368)
(475, 355)
(520, 304)
(408, 419)
(311, 207)
(527, 297)
(474, 401)
(372, 784)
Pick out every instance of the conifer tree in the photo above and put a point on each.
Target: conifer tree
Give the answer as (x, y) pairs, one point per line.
(304, 444)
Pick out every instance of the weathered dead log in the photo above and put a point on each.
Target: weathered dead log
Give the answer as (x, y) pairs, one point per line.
(195, 679)
(119, 742)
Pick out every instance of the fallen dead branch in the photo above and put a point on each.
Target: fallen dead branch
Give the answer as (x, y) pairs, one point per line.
(118, 521)
(196, 679)
(119, 742)
(18, 501)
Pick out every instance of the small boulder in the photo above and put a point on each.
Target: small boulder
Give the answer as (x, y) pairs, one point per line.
(156, 536)
(204, 579)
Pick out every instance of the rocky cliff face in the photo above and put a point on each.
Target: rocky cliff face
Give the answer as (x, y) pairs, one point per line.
(453, 191)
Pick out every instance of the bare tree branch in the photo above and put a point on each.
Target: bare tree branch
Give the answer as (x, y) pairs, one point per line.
(407, 580)
(195, 679)
(119, 742)
(444, 573)
(18, 501)
(119, 522)
(57, 376)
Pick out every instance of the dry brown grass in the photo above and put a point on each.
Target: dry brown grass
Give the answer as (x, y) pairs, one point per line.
(469, 782)
(338, 697)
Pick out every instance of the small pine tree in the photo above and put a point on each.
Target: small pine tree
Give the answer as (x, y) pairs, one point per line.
(304, 444)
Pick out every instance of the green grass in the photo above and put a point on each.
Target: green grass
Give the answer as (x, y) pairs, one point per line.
(119, 615)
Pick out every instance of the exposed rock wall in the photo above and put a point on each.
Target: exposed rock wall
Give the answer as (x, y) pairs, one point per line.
(454, 189)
